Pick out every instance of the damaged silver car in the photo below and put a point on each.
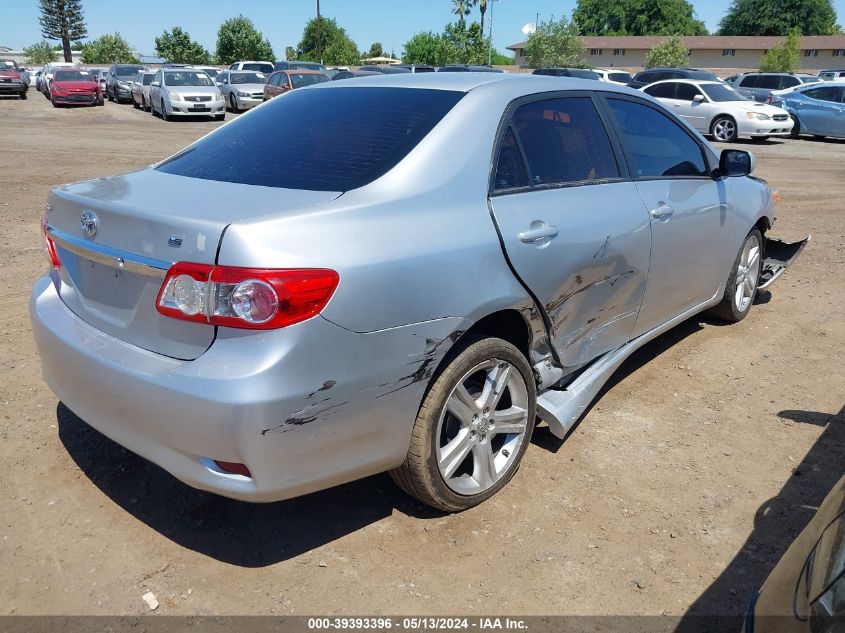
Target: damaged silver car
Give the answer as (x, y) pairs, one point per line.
(402, 281)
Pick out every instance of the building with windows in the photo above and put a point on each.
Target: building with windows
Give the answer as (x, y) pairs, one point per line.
(715, 52)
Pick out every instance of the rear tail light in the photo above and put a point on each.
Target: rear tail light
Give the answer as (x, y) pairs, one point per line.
(251, 298)
(50, 245)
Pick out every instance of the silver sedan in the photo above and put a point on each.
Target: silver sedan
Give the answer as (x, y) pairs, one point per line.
(185, 92)
(393, 274)
(242, 89)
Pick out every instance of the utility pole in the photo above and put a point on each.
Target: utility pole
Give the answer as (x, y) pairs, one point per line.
(319, 42)
(490, 48)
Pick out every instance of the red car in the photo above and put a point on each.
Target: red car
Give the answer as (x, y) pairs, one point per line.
(283, 80)
(75, 86)
(11, 81)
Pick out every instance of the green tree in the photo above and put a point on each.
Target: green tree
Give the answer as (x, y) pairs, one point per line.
(290, 53)
(637, 17)
(465, 44)
(177, 47)
(238, 39)
(554, 43)
(764, 17)
(425, 48)
(108, 49)
(376, 50)
(62, 20)
(39, 53)
(670, 53)
(338, 48)
(785, 57)
(501, 60)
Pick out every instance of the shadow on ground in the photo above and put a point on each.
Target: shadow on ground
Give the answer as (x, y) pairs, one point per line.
(235, 532)
(776, 524)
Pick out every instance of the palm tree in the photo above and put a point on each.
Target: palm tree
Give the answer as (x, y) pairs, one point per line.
(482, 7)
(461, 8)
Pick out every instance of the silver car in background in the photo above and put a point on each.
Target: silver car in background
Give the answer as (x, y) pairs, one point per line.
(141, 89)
(402, 280)
(185, 92)
(242, 89)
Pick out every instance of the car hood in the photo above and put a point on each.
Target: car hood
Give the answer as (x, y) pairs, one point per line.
(75, 85)
(248, 87)
(752, 106)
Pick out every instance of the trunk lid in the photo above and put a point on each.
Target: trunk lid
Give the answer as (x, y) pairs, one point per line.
(117, 236)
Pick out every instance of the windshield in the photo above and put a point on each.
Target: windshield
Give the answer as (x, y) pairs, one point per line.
(300, 80)
(127, 71)
(247, 78)
(721, 92)
(72, 75)
(264, 68)
(809, 80)
(187, 78)
(342, 139)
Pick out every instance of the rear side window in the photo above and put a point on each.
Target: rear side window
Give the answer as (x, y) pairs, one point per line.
(789, 82)
(564, 141)
(662, 91)
(343, 138)
(510, 168)
(769, 82)
(658, 147)
(825, 93)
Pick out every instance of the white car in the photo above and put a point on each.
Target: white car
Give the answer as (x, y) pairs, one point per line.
(185, 92)
(714, 108)
(261, 67)
(211, 71)
(613, 76)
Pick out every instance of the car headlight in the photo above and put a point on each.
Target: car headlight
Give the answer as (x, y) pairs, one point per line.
(218, 96)
(174, 96)
(241, 93)
(760, 116)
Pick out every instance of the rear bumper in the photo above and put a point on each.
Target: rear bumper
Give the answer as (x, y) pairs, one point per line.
(305, 407)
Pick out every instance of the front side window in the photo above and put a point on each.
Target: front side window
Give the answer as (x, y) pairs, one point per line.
(146, 79)
(749, 82)
(687, 92)
(658, 147)
(343, 139)
(565, 142)
(769, 82)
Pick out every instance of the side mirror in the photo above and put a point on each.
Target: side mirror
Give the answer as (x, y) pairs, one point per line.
(698, 99)
(736, 162)
(155, 83)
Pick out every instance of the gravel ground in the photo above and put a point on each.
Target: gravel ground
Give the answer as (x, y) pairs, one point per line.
(675, 494)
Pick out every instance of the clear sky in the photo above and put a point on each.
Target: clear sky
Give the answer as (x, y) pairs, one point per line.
(282, 21)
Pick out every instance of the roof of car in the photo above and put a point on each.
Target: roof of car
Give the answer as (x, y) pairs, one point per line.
(301, 71)
(465, 82)
(685, 80)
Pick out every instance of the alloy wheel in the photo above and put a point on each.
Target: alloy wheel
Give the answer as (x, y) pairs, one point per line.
(747, 274)
(724, 130)
(482, 427)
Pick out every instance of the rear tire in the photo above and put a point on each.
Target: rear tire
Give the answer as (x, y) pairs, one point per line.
(742, 283)
(23, 95)
(135, 104)
(473, 427)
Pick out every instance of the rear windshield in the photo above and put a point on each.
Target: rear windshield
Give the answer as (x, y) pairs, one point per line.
(73, 75)
(623, 77)
(344, 138)
(264, 68)
(300, 80)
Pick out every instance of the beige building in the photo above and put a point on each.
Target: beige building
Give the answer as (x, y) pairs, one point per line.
(716, 52)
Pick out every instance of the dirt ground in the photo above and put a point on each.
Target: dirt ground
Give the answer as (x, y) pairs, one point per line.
(675, 494)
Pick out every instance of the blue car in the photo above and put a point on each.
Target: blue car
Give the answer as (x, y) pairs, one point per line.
(816, 109)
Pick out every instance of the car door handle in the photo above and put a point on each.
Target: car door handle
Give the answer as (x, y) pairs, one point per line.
(538, 232)
(662, 212)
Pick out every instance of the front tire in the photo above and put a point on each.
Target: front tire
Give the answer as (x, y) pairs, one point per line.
(23, 96)
(742, 283)
(724, 130)
(472, 429)
(233, 102)
(164, 116)
(795, 132)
